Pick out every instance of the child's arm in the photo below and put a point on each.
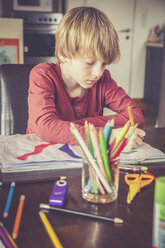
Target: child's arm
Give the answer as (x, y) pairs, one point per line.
(45, 117)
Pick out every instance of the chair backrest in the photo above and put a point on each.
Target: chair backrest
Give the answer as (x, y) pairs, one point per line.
(14, 83)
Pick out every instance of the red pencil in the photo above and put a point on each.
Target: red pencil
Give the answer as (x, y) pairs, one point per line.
(148, 173)
(111, 147)
(121, 147)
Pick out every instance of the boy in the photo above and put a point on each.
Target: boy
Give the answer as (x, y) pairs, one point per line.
(78, 87)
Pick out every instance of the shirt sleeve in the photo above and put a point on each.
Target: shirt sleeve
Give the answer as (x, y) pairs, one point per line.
(118, 101)
(43, 117)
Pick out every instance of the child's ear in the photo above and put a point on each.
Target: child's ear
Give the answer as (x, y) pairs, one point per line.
(62, 57)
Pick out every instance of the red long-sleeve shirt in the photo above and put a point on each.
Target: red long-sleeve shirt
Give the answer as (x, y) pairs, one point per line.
(51, 109)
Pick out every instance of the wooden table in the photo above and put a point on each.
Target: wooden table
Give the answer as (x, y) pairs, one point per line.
(77, 232)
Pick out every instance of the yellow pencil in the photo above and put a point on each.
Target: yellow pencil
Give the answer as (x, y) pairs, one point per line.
(87, 133)
(18, 217)
(130, 116)
(50, 230)
(121, 136)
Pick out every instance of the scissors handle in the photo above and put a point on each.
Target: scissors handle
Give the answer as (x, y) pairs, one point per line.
(130, 177)
(144, 179)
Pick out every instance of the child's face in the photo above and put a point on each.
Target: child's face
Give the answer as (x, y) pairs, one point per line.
(85, 71)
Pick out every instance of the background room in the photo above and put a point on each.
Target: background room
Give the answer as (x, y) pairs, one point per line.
(139, 71)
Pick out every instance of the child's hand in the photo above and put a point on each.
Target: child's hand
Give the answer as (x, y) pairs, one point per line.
(135, 140)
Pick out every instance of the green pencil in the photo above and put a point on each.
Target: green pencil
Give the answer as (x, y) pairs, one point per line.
(104, 155)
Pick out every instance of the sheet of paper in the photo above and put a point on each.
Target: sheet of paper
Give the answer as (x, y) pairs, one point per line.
(145, 153)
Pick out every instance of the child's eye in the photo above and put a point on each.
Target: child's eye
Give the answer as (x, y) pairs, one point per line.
(90, 63)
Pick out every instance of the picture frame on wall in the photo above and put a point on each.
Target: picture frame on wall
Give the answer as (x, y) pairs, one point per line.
(9, 51)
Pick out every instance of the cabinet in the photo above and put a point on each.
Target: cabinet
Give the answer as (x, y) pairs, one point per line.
(161, 113)
(153, 74)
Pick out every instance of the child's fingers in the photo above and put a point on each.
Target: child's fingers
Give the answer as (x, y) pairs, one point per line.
(139, 132)
(135, 140)
(138, 141)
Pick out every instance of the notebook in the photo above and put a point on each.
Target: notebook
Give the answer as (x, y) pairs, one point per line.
(44, 162)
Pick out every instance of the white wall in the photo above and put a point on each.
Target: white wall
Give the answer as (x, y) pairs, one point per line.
(148, 13)
(72, 3)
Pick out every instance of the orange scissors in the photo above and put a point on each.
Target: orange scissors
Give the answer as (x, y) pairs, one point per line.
(136, 182)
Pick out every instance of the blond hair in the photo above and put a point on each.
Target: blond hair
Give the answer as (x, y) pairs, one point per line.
(87, 30)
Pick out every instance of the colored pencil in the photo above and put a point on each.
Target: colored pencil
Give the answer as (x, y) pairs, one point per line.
(131, 130)
(9, 200)
(6, 237)
(87, 133)
(4, 240)
(124, 142)
(129, 109)
(69, 211)
(99, 185)
(89, 157)
(56, 242)
(105, 155)
(111, 146)
(18, 217)
(92, 152)
(134, 168)
(107, 130)
(122, 135)
(91, 145)
(93, 184)
(95, 141)
(148, 173)
(93, 180)
(121, 147)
